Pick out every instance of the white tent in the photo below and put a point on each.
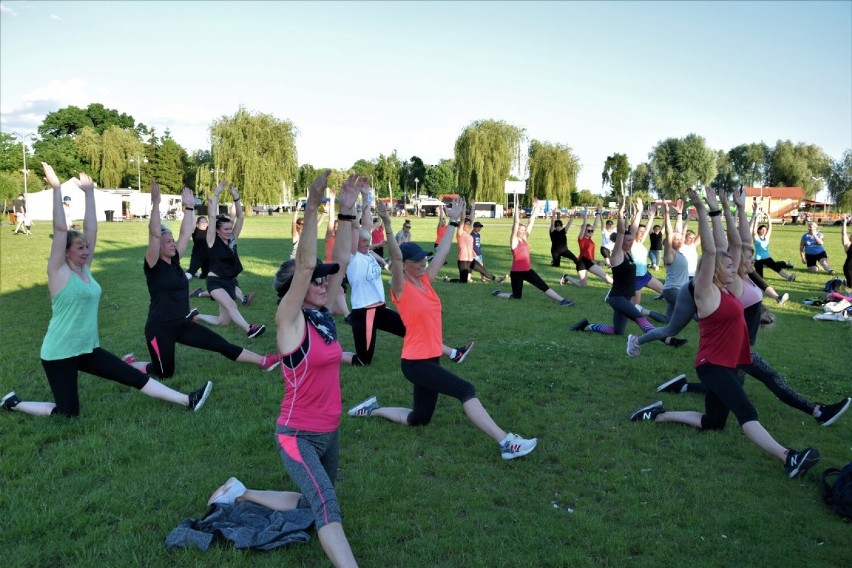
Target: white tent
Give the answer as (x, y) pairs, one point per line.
(40, 203)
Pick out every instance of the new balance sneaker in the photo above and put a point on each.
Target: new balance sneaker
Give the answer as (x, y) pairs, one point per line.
(247, 300)
(831, 412)
(255, 330)
(193, 313)
(366, 408)
(199, 397)
(580, 325)
(228, 493)
(647, 412)
(564, 279)
(674, 386)
(196, 293)
(269, 362)
(783, 299)
(129, 358)
(515, 447)
(798, 463)
(10, 401)
(633, 348)
(463, 352)
(566, 302)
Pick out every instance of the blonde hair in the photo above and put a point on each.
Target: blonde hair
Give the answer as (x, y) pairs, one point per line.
(75, 237)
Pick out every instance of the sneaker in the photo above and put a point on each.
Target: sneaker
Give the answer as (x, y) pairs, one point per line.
(674, 386)
(495, 293)
(255, 330)
(566, 302)
(659, 297)
(798, 463)
(830, 413)
(580, 325)
(500, 279)
(366, 408)
(516, 447)
(247, 300)
(193, 313)
(269, 362)
(564, 279)
(463, 352)
(199, 397)
(633, 348)
(676, 342)
(783, 299)
(791, 278)
(129, 358)
(639, 309)
(788, 264)
(10, 401)
(228, 493)
(647, 412)
(348, 319)
(196, 293)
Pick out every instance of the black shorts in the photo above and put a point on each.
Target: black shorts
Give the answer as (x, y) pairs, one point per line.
(812, 259)
(584, 263)
(605, 252)
(229, 285)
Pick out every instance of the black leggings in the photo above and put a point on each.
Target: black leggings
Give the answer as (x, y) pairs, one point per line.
(557, 254)
(519, 276)
(724, 395)
(62, 375)
(195, 263)
(775, 265)
(430, 380)
(161, 337)
(365, 323)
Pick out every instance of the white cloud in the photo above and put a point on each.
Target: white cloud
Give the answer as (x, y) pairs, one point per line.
(7, 10)
(54, 17)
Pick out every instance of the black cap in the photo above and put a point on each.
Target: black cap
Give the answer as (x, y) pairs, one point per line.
(284, 276)
(412, 251)
(477, 224)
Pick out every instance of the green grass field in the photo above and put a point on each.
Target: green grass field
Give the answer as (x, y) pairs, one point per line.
(105, 489)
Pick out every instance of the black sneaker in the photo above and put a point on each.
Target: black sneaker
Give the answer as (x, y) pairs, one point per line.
(247, 300)
(798, 463)
(463, 352)
(193, 313)
(566, 302)
(830, 413)
(199, 397)
(647, 412)
(255, 330)
(196, 293)
(580, 325)
(348, 319)
(675, 342)
(788, 264)
(674, 386)
(10, 401)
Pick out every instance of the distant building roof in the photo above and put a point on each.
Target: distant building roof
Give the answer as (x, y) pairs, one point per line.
(776, 192)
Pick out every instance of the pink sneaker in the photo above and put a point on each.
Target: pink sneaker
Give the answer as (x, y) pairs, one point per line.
(269, 362)
(129, 358)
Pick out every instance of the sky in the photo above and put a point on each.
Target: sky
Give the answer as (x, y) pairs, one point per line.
(359, 79)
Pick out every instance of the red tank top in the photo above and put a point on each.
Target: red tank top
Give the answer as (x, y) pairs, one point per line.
(723, 335)
(521, 257)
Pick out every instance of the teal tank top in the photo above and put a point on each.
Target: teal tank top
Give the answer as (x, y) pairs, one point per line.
(73, 327)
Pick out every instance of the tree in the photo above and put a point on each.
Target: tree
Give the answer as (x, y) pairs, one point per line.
(439, 178)
(387, 170)
(257, 152)
(799, 165)
(616, 173)
(726, 178)
(640, 180)
(839, 181)
(586, 198)
(307, 174)
(553, 171)
(118, 146)
(364, 168)
(485, 153)
(411, 170)
(679, 163)
(749, 162)
(168, 167)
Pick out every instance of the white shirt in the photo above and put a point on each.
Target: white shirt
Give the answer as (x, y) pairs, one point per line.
(365, 277)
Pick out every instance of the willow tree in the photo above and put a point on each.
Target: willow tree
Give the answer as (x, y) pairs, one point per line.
(485, 153)
(616, 173)
(117, 147)
(89, 150)
(680, 163)
(257, 152)
(553, 171)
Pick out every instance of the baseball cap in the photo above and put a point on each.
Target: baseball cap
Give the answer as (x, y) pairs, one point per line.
(284, 276)
(66, 198)
(412, 251)
(477, 224)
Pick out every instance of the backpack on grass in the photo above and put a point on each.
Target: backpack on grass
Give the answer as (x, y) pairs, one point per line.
(838, 495)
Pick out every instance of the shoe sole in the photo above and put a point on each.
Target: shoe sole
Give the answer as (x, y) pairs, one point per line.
(520, 454)
(257, 333)
(272, 367)
(629, 351)
(636, 414)
(807, 463)
(826, 423)
(370, 401)
(669, 383)
(221, 495)
(9, 396)
(466, 353)
(207, 388)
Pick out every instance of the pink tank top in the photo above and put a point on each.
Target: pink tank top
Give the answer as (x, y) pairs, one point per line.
(521, 257)
(723, 335)
(751, 293)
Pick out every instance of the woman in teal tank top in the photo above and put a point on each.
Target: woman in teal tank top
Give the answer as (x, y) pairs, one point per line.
(71, 344)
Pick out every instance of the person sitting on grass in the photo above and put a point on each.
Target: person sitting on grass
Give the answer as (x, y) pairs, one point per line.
(847, 248)
(307, 427)
(761, 233)
(420, 308)
(723, 346)
(72, 344)
(812, 250)
(170, 320)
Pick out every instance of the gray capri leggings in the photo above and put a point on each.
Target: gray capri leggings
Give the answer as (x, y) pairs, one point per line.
(310, 459)
(681, 315)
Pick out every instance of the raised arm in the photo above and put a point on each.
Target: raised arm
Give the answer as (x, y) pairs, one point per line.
(735, 243)
(239, 212)
(715, 214)
(707, 296)
(598, 211)
(637, 218)
(341, 253)
(668, 250)
(455, 212)
(56, 261)
(187, 225)
(844, 237)
(617, 256)
(533, 215)
(738, 197)
(554, 215)
(652, 214)
(394, 252)
(680, 225)
(516, 222)
(329, 228)
(213, 213)
(90, 218)
(155, 233)
(585, 221)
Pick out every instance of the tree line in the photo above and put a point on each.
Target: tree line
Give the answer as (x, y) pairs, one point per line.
(258, 152)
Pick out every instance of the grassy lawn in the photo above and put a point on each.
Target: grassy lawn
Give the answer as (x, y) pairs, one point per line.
(105, 489)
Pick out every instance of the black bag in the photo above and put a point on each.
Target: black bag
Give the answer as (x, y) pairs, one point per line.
(838, 495)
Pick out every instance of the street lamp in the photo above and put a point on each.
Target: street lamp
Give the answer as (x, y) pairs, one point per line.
(416, 181)
(23, 137)
(139, 161)
(217, 172)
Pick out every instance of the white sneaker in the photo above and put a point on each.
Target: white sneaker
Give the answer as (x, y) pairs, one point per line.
(366, 408)
(228, 493)
(783, 299)
(633, 348)
(516, 447)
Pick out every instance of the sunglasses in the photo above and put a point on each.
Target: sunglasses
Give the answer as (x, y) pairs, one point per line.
(590, 230)
(319, 280)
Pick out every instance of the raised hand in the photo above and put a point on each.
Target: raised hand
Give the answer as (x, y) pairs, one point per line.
(382, 210)
(712, 200)
(317, 189)
(695, 198)
(86, 183)
(155, 192)
(738, 197)
(723, 197)
(234, 192)
(187, 198)
(219, 188)
(349, 193)
(456, 209)
(50, 176)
